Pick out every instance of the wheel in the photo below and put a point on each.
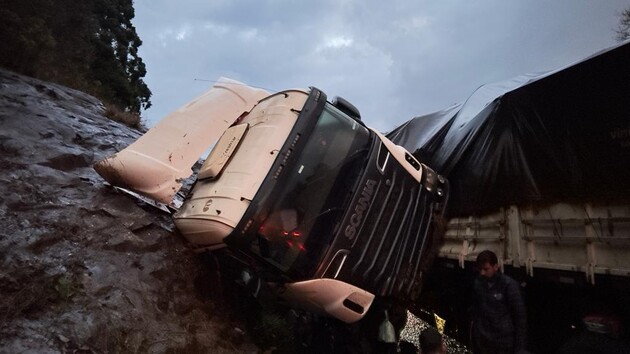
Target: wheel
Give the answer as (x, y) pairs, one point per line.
(593, 343)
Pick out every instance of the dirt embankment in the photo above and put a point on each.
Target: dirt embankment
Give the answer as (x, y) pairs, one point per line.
(83, 268)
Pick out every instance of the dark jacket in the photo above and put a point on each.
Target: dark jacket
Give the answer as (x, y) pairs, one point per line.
(499, 313)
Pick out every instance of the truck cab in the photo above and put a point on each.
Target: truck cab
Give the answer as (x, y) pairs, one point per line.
(326, 210)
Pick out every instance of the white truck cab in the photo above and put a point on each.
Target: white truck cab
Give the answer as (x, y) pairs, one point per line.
(297, 189)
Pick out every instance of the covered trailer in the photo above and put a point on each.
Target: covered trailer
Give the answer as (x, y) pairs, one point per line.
(538, 171)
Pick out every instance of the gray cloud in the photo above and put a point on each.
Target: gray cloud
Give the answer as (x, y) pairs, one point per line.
(393, 60)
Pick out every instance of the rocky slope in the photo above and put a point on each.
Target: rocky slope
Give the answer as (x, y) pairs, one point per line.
(85, 269)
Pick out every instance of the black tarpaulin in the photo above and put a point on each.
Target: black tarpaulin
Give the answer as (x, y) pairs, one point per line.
(559, 136)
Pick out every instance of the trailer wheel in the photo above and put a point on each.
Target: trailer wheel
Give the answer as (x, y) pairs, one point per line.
(593, 343)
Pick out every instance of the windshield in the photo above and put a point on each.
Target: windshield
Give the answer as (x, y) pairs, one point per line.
(294, 233)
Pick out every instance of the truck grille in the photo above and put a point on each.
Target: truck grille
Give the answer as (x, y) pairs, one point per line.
(394, 241)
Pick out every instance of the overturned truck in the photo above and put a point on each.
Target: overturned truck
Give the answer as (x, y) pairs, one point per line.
(297, 193)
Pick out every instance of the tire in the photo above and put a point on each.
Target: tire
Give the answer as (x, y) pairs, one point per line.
(593, 343)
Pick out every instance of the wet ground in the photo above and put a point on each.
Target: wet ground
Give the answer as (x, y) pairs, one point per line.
(83, 268)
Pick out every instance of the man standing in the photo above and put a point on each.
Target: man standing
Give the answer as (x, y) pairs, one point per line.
(499, 323)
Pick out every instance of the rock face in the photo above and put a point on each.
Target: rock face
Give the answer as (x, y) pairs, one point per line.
(83, 268)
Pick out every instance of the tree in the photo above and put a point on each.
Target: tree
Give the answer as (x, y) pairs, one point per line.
(117, 64)
(623, 31)
(89, 45)
(24, 36)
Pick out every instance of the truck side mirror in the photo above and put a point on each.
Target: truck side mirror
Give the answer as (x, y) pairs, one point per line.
(346, 107)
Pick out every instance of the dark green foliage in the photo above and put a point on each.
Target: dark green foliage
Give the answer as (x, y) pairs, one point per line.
(623, 31)
(90, 45)
(117, 64)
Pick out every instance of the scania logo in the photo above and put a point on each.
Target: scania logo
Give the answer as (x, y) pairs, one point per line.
(359, 209)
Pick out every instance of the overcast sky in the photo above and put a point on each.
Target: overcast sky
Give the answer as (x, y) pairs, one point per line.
(392, 59)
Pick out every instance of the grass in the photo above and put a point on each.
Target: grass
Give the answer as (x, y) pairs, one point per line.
(127, 118)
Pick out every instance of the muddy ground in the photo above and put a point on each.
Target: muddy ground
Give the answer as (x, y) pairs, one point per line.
(83, 268)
